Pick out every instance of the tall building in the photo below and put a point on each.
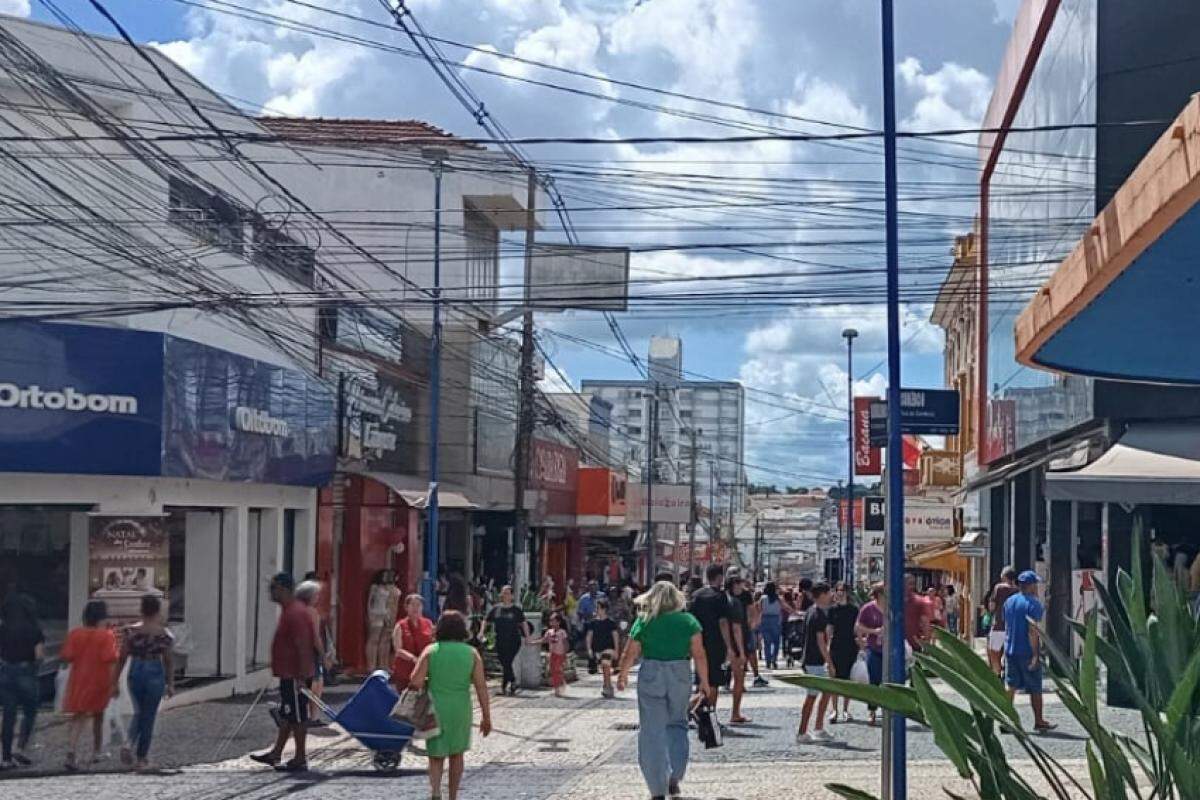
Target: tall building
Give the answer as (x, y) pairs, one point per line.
(715, 410)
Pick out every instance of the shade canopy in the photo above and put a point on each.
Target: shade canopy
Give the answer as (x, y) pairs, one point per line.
(1153, 463)
(419, 498)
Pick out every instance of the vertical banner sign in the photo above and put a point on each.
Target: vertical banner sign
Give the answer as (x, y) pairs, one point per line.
(867, 459)
(128, 557)
(1000, 437)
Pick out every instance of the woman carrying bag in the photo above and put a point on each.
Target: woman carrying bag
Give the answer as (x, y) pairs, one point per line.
(448, 669)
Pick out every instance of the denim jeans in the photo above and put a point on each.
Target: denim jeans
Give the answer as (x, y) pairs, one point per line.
(18, 692)
(664, 690)
(147, 683)
(874, 669)
(772, 636)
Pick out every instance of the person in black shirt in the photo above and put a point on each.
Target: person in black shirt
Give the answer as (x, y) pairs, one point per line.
(604, 642)
(508, 621)
(843, 642)
(21, 651)
(817, 661)
(739, 628)
(710, 605)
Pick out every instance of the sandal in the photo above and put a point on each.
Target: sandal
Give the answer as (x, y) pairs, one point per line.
(1044, 727)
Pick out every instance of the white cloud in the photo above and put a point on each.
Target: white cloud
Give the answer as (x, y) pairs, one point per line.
(817, 98)
(18, 8)
(953, 97)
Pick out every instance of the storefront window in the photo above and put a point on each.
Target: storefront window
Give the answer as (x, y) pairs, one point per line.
(35, 558)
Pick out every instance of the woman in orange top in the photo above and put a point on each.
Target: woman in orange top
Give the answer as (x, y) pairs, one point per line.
(412, 634)
(92, 652)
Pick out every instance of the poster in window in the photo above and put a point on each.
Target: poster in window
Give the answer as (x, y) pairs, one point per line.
(128, 557)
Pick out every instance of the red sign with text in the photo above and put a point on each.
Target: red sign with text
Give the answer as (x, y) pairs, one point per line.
(867, 459)
(858, 513)
(1000, 437)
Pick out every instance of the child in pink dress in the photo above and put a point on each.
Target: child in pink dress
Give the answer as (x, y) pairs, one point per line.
(555, 640)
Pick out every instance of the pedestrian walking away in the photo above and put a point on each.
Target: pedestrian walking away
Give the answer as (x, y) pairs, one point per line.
(869, 628)
(918, 616)
(308, 592)
(91, 651)
(22, 648)
(508, 622)
(664, 637)
(1023, 645)
(448, 669)
(843, 643)
(147, 646)
(772, 609)
(412, 634)
(710, 606)
(1001, 592)
(293, 656)
(603, 639)
(556, 640)
(739, 633)
(817, 661)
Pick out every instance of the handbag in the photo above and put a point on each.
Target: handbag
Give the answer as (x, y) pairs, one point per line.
(707, 728)
(415, 708)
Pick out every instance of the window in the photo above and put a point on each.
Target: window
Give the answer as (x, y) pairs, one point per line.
(635, 413)
(685, 413)
(635, 431)
(483, 256)
(208, 217)
(280, 253)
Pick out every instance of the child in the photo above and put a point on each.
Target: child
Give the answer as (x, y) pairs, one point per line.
(555, 640)
(604, 641)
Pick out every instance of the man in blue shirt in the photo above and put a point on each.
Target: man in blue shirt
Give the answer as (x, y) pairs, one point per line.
(1023, 645)
(587, 604)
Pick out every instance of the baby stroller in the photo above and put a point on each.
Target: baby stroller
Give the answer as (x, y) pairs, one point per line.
(367, 717)
(793, 640)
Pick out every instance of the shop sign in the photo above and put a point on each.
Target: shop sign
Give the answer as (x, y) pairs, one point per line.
(1000, 435)
(231, 418)
(672, 502)
(923, 412)
(875, 514)
(378, 421)
(867, 458)
(926, 523)
(128, 557)
(553, 480)
(858, 512)
(80, 399)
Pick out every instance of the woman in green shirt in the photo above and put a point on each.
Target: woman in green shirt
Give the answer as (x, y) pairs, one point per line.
(452, 667)
(666, 637)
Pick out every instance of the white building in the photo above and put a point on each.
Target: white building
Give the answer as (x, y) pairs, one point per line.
(713, 410)
(222, 275)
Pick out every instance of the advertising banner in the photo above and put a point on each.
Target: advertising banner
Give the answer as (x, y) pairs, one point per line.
(128, 557)
(924, 523)
(1000, 436)
(553, 482)
(867, 459)
(858, 512)
(231, 418)
(378, 424)
(80, 399)
(672, 502)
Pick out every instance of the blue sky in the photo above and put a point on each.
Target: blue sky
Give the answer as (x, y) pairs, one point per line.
(812, 59)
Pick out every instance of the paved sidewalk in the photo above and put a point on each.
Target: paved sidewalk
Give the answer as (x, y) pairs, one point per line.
(581, 748)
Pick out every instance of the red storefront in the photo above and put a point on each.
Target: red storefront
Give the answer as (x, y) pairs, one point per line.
(601, 508)
(554, 484)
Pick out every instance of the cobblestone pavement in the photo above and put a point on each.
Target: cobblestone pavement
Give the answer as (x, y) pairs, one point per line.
(581, 747)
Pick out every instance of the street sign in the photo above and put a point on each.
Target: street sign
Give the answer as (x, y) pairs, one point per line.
(922, 411)
(874, 515)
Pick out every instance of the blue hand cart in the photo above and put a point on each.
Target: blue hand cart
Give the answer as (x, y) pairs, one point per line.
(367, 717)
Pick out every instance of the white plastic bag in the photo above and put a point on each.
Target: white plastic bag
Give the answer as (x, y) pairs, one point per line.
(60, 686)
(118, 712)
(859, 673)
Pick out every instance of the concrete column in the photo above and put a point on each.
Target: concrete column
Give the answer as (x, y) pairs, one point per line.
(1023, 539)
(78, 568)
(1060, 563)
(235, 575)
(1118, 529)
(997, 516)
(306, 541)
(202, 589)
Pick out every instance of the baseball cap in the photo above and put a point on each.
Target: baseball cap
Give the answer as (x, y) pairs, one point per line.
(1028, 576)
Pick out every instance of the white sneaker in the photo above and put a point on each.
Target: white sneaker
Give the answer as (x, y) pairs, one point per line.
(822, 736)
(805, 738)
(847, 717)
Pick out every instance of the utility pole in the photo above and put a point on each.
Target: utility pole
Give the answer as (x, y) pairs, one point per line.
(429, 588)
(691, 562)
(521, 467)
(895, 454)
(712, 503)
(757, 537)
(651, 453)
(848, 552)
(841, 526)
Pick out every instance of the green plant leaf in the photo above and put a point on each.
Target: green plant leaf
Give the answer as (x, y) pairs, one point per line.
(948, 731)
(849, 792)
(945, 665)
(1087, 667)
(1096, 773)
(899, 699)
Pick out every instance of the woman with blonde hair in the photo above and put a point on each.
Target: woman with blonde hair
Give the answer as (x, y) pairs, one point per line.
(665, 637)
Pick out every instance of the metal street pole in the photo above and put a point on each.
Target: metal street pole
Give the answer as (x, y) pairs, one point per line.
(521, 468)
(651, 447)
(429, 585)
(840, 524)
(691, 562)
(848, 554)
(895, 452)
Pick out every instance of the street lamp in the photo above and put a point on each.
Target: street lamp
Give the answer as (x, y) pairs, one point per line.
(849, 334)
(436, 156)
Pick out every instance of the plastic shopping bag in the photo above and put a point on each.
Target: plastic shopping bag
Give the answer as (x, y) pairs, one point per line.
(859, 673)
(60, 686)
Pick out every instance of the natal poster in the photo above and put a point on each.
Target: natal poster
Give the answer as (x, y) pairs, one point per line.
(128, 558)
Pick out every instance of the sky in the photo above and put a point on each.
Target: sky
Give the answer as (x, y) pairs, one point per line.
(814, 60)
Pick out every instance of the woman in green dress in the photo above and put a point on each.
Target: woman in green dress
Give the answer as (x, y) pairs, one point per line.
(448, 669)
